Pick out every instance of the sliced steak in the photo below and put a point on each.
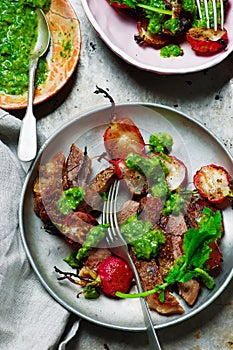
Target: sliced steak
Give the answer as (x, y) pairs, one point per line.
(56, 176)
(166, 256)
(194, 212)
(150, 276)
(128, 209)
(145, 37)
(104, 179)
(176, 228)
(96, 256)
(93, 202)
(76, 226)
(78, 167)
(189, 291)
(150, 209)
(47, 189)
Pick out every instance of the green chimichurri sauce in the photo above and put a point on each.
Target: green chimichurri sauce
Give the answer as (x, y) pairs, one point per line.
(142, 237)
(18, 35)
(70, 199)
(171, 51)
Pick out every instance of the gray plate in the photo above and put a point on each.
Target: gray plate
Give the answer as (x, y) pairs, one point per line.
(193, 144)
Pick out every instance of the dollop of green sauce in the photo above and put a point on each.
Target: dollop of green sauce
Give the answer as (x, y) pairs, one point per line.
(171, 51)
(140, 234)
(18, 35)
(70, 199)
(160, 142)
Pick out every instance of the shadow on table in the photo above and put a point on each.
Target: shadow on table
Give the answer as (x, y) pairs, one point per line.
(184, 88)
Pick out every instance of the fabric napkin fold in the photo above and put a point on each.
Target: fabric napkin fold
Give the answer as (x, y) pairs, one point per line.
(30, 318)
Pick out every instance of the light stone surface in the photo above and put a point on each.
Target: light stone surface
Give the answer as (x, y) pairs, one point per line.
(206, 96)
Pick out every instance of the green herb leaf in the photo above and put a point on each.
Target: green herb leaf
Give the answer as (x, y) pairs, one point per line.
(206, 278)
(91, 292)
(155, 9)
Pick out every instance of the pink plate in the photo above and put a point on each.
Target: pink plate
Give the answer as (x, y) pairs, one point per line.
(64, 27)
(117, 31)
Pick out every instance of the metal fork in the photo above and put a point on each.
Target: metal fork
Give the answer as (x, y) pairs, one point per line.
(204, 3)
(118, 246)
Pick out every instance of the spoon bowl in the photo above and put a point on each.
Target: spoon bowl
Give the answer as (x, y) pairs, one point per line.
(27, 145)
(43, 38)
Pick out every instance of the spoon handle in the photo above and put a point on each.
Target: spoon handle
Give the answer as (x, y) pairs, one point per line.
(27, 145)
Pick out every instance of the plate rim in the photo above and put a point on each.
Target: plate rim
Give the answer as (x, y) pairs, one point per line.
(33, 166)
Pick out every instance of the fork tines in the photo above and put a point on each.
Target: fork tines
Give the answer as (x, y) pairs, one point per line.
(114, 237)
(207, 10)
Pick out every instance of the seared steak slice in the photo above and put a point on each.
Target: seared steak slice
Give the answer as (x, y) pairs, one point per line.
(150, 276)
(93, 202)
(145, 37)
(78, 167)
(194, 212)
(56, 176)
(174, 228)
(215, 259)
(166, 256)
(47, 189)
(103, 180)
(128, 209)
(150, 209)
(189, 291)
(96, 256)
(76, 226)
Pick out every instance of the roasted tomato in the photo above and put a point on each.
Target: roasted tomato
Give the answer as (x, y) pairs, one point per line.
(213, 183)
(207, 41)
(122, 137)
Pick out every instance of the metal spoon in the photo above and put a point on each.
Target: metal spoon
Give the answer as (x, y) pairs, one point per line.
(27, 145)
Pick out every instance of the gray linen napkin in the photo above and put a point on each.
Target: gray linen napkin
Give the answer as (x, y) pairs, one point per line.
(30, 318)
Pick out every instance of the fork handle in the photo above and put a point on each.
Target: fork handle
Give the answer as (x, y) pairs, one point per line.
(152, 335)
